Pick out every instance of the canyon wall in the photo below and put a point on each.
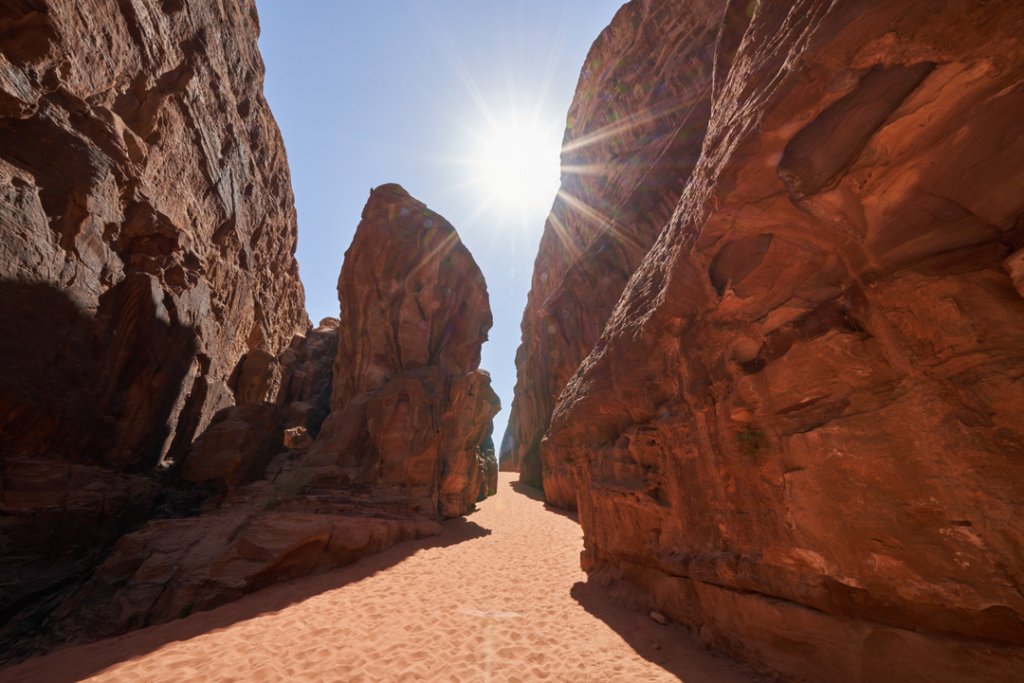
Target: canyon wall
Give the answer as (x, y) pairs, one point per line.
(165, 408)
(798, 430)
(378, 429)
(635, 130)
(148, 232)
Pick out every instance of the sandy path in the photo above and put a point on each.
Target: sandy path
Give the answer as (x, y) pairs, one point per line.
(491, 599)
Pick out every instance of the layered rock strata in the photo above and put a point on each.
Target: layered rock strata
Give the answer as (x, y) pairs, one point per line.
(147, 219)
(410, 407)
(635, 131)
(797, 432)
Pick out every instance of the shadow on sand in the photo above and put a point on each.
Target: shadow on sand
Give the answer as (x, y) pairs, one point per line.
(536, 494)
(77, 662)
(672, 647)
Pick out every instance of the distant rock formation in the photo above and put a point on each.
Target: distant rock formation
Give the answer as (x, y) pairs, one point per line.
(410, 407)
(797, 432)
(635, 131)
(147, 232)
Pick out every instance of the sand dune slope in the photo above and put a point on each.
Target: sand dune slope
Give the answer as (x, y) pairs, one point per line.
(497, 597)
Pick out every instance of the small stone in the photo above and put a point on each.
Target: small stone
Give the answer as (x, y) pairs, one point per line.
(659, 617)
(297, 438)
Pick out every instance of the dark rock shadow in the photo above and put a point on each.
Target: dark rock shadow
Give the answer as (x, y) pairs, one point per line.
(78, 662)
(672, 647)
(86, 400)
(536, 494)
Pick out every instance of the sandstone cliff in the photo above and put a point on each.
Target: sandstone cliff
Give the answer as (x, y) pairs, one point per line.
(147, 222)
(635, 130)
(405, 442)
(797, 432)
(410, 407)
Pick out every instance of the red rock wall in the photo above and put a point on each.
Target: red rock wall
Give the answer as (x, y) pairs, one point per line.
(799, 430)
(290, 494)
(148, 233)
(635, 130)
(410, 407)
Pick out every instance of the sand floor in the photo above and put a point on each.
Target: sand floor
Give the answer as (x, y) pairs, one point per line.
(498, 596)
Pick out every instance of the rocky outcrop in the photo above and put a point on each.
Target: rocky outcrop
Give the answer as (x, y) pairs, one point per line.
(405, 443)
(797, 432)
(147, 222)
(308, 377)
(237, 446)
(635, 131)
(263, 534)
(410, 407)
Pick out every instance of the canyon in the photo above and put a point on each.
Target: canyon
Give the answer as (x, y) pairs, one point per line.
(174, 433)
(796, 428)
(772, 355)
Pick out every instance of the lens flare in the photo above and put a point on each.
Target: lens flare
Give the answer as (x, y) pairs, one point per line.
(518, 165)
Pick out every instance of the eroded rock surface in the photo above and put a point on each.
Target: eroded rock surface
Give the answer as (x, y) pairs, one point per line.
(410, 407)
(289, 494)
(799, 430)
(147, 219)
(635, 130)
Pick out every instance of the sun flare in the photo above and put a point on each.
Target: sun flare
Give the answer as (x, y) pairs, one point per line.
(518, 165)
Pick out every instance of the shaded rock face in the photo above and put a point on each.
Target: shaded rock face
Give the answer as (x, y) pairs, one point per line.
(236, 447)
(308, 377)
(292, 494)
(267, 533)
(635, 131)
(410, 407)
(489, 481)
(146, 217)
(798, 430)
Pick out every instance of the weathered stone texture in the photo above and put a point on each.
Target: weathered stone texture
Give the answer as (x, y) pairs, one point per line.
(410, 407)
(799, 428)
(146, 222)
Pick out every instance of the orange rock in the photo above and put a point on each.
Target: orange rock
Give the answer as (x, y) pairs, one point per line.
(409, 407)
(636, 126)
(798, 430)
(147, 232)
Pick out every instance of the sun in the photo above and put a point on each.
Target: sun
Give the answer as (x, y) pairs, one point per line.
(517, 165)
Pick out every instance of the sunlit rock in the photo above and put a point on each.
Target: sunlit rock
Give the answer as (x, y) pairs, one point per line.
(799, 429)
(636, 126)
(410, 407)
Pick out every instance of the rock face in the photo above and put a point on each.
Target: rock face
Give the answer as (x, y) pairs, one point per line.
(406, 441)
(147, 219)
(798, 432)
(635, 131)
(410, 407)
(263, 534)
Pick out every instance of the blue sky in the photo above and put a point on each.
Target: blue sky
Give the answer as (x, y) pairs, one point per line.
(413, 92)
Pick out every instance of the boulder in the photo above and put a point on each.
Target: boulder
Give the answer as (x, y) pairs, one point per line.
(236, 447)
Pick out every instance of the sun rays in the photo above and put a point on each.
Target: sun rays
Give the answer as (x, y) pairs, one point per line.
(517, 164)
(508, 162)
